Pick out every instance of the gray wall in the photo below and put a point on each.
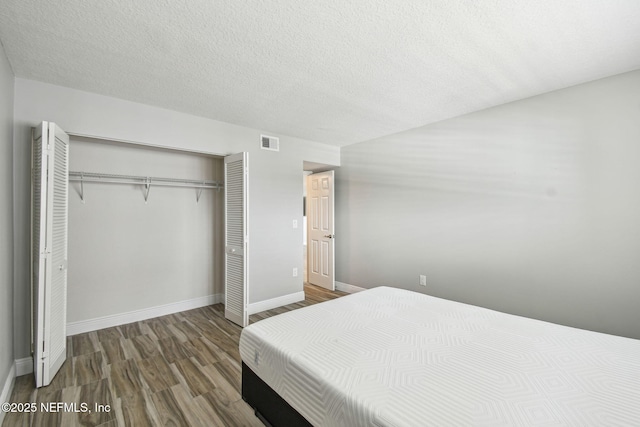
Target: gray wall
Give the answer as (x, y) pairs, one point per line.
(274, 183)
(531, 208)
(6, 217)
(126, 254)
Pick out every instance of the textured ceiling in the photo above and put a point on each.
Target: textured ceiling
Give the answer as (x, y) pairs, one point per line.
(332, 71)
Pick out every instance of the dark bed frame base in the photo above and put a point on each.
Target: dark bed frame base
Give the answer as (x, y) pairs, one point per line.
(269, 407)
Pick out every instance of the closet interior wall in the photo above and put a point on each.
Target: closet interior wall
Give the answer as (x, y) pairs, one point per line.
(127, 255)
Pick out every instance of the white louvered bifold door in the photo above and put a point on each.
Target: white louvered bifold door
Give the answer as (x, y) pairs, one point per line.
(236, 177)
(50, 217)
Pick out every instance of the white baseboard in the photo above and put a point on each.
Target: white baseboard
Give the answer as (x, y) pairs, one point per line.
(258, 307)
(74, 328)
(24, 366)
(7, 389)
(345, 287)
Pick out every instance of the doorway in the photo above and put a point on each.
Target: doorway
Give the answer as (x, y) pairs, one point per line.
(318, 225)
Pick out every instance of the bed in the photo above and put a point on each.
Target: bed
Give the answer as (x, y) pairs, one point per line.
(391, 357)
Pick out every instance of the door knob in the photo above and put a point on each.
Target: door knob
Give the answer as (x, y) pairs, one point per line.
(330, 236)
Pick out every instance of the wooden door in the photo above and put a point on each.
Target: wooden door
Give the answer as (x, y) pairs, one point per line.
(320, 230)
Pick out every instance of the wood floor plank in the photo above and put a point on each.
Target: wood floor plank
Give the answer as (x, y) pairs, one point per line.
(173, 350)
(209, 413)
(83, 344)
(109, 334)
(113, 350)
(175, 317)
(223, 407)
(130, 330)
(237, 413)
(246, 414)
(187, 330)
(47, 418)
(231, 329)
(117, 405)
(17, 419)
(23, 389)
(130, 350)
(125, 378)
(202, 350)
(177, 333)
(157, 373)
(159, 328)
(224, 390)
(168, 409)
(197, 415)
(134, 410)
(230, 372)
(146, 346)
(87, 368)
(197, 382)
(199, 323)
(71, 395)
(93, 394)
(223, 342)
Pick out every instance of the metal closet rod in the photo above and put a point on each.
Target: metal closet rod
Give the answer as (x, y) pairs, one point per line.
(147, 181)
(133, 179)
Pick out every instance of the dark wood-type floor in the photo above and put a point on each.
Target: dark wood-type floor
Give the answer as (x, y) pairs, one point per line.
(177, 370)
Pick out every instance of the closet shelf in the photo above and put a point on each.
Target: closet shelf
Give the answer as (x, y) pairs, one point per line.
(146, 181)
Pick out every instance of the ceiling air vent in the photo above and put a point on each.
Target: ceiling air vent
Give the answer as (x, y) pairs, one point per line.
(269, 143)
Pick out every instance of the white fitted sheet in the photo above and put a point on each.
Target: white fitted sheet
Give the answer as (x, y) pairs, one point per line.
(390, 357)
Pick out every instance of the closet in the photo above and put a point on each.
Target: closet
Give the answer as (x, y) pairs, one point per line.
(133, 245)
(145, 237)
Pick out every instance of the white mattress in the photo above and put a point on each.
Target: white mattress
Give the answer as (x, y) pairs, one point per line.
(389, 357)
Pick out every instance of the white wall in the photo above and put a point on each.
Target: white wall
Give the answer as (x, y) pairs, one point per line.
(6, 219)
(127, 255)
(531, 208)
(274, 177)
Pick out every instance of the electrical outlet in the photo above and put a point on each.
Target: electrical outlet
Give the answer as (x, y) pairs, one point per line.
(295, 272)
(295, 223)
(423, 280)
